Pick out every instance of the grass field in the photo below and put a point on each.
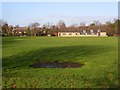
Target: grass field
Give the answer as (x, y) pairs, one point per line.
(98, 54)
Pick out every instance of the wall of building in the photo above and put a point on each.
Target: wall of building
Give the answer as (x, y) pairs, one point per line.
(103, 34)
(78, 34)
(74, 34)
(68, 34)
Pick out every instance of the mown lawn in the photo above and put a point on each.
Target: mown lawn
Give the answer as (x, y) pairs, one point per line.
(98, 54)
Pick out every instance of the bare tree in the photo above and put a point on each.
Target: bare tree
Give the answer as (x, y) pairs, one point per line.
(2, 22)
(47, 25)
(5, 29)
(10, 29)
(82, 24)
(74, 25)
(46, 28)
(92, 24)
(17, 26)
(117, 26)
(110, 28)
(108, 23)
(61, 24)
(33, 27)
(97, 23)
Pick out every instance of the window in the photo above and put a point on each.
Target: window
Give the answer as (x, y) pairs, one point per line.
(64, 33)
(59, 34)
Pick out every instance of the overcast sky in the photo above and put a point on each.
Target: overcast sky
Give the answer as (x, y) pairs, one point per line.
(24, 13)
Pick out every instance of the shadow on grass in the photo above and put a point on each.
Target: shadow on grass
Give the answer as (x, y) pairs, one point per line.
(62, 54)
(67, 53)
(6, 41)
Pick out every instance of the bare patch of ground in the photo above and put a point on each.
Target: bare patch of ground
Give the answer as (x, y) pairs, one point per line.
(56, 65)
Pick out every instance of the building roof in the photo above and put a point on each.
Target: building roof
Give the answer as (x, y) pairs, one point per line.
(81, 28)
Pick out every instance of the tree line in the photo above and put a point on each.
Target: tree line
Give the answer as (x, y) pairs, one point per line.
(112, 28)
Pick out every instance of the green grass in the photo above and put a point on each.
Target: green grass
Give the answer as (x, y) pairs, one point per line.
(98, 54)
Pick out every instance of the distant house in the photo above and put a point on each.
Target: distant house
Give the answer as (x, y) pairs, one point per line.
(80, 34)
(19, 31)
(82, 31)
(60, 32)
(22, 31)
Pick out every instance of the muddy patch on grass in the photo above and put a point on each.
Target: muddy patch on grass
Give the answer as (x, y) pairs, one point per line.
(56, 65)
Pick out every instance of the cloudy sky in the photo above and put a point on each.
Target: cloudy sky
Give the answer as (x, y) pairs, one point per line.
(24, 13)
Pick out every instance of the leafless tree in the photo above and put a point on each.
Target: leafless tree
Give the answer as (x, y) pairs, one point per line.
(61, 24)
(97, 23)
(82, 24)
(74, 25)
(33, 27)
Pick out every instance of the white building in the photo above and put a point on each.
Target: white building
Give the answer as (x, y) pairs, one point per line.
(66, 34)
